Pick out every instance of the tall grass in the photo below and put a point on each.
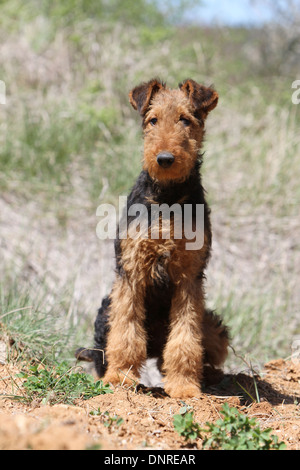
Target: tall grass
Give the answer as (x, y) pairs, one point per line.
(34, 321)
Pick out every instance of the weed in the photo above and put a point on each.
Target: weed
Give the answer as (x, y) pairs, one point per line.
(235, 431)
(184, 424)
(109, 421)
(60, 384)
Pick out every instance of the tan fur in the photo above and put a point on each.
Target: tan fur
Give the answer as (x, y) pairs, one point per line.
(169, 134)
(191, 330)
(126, 347)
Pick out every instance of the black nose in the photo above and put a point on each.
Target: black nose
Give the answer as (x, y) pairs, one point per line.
(165, 159)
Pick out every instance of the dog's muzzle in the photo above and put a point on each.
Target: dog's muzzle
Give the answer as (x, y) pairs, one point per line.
(165, 159)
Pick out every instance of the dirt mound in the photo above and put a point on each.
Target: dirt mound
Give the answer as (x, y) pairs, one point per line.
(148, 413)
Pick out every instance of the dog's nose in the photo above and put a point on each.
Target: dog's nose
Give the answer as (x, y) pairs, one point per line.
(165, 159)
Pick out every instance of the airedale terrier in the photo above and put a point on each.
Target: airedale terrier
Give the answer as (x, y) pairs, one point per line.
(156, 307)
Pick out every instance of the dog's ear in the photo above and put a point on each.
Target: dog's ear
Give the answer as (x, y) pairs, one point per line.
(140, 97)
(204, 99)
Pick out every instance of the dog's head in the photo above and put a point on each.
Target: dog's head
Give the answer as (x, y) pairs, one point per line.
(173, 125)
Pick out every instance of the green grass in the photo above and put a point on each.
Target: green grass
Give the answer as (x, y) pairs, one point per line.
(42, 343)
(35, 320)
(59, 384)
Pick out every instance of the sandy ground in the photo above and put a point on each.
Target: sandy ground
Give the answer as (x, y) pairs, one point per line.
(147, 413)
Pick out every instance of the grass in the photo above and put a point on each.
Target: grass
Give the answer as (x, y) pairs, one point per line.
(69, 136)
(59, 384)
(34, 319)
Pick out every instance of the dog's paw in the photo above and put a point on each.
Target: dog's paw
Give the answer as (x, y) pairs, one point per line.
(120, 378)
(111, 378)
(183, 390)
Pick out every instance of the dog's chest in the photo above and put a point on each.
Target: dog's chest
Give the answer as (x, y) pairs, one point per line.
(156, 261)
(167, 233)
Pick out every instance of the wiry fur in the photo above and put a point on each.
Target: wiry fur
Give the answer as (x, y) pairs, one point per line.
(156, 307)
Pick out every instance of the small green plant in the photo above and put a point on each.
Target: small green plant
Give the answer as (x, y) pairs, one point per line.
(184, 424)
(111, 421)
(108, 420)
(236, 431)
(60, 384)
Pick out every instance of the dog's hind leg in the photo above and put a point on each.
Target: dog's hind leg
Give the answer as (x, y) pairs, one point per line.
(215, 339)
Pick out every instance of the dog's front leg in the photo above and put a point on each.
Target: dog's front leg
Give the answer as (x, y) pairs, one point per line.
(183, 354)
(126, 343)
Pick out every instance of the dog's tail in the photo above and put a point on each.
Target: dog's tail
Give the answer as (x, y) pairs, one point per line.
(84, 354)
(97, 353)
(215, 339)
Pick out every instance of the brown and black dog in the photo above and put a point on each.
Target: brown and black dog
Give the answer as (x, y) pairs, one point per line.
(156, 307)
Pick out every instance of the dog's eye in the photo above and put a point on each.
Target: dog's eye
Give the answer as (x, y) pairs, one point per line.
(153, 121)
(186, 122)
